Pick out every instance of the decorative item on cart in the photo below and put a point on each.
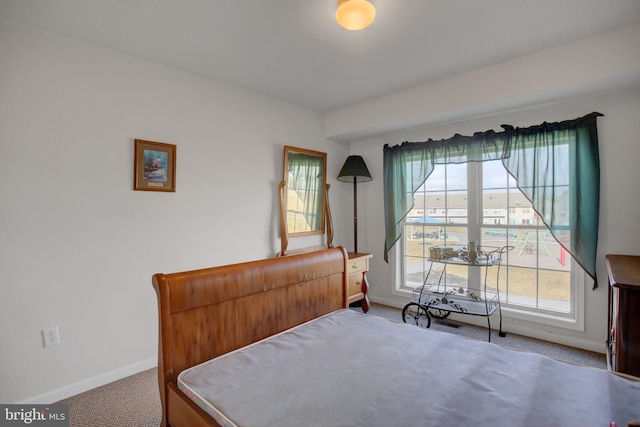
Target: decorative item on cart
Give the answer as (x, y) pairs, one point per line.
(472, 253)
(438, 253)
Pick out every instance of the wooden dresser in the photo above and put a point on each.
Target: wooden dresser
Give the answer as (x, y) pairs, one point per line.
(624, 314)
(358, 286)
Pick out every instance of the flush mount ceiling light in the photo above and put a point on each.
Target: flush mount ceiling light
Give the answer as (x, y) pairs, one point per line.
(355, 14)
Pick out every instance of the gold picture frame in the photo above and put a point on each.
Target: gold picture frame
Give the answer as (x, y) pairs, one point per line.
(154, 166)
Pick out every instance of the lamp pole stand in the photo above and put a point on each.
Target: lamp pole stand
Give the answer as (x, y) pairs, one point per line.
(355, 214)
(354, 169)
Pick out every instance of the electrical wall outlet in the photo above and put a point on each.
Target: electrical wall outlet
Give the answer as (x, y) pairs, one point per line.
(50, 336)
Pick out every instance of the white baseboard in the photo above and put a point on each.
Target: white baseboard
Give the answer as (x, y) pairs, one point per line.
(90, 383)
(388, 302)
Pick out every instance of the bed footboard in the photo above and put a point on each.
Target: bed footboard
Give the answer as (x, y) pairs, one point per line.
(207, 313)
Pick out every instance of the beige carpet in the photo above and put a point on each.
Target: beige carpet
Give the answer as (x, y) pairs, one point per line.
(130, 402)
(519, 342)
(134, 401)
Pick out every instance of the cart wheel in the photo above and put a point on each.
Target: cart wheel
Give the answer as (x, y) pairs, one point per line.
(502, 334)
(439, 314)
(416, 314)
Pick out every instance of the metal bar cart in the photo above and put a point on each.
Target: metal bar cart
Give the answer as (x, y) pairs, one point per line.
(439, 300)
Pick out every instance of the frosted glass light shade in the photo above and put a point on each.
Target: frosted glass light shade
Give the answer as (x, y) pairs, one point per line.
(355, 14)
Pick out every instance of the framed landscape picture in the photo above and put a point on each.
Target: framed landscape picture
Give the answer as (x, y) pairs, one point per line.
(154, 166)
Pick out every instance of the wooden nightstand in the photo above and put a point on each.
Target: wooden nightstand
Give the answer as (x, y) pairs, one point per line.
(357, 268)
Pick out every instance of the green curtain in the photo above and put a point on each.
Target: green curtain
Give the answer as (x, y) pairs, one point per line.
(305, 173)
(556, 166)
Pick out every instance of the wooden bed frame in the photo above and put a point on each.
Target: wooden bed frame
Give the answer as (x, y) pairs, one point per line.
(206, 313)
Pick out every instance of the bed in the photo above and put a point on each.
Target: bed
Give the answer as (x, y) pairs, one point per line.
(273, 343)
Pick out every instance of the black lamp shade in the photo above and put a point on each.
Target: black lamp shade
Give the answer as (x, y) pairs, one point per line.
(354, 167)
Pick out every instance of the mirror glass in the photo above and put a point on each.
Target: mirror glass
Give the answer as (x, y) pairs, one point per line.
(305, 177)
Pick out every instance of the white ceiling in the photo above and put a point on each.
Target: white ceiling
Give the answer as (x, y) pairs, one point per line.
(294, 50)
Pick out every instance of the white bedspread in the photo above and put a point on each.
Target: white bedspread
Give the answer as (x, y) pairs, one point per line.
(352, 369)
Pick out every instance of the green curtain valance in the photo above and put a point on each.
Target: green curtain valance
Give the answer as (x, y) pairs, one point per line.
(555, 165)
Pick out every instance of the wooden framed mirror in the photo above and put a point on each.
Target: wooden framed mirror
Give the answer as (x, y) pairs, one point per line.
(304, 207)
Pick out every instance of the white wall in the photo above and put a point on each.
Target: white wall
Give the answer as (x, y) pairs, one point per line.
(591, 66)
(619, 204)
(78, 246)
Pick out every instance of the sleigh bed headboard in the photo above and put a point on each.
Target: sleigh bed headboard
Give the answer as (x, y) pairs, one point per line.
(206, 313)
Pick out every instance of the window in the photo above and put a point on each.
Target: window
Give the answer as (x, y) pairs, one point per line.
(556, 165)
(480, 201)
